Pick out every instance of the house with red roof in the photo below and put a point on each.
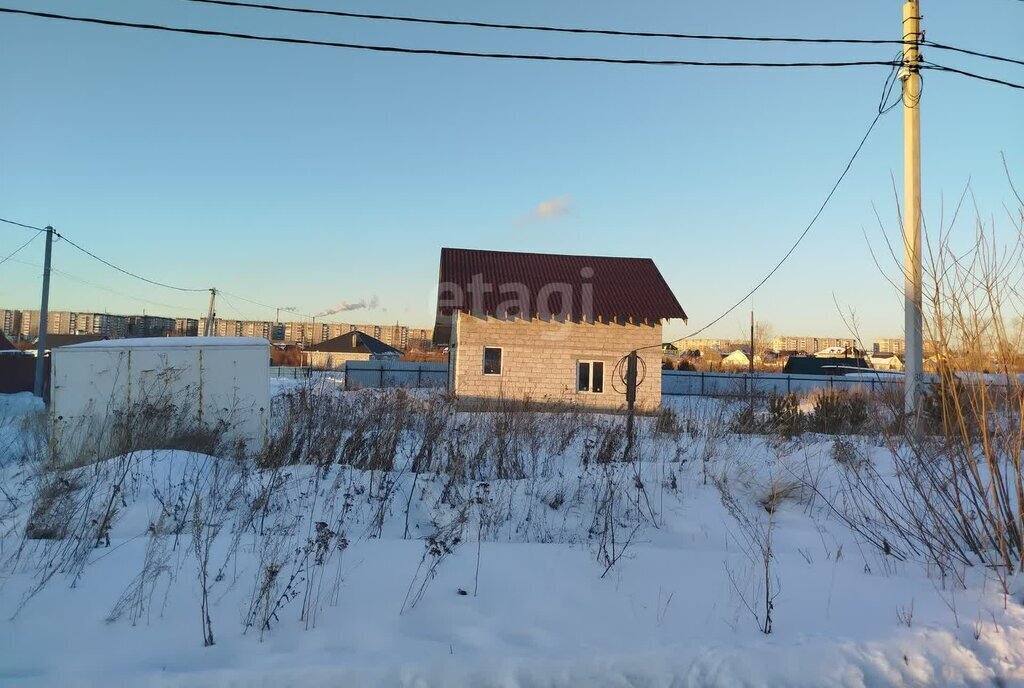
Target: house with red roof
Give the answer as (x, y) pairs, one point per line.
(551, 328)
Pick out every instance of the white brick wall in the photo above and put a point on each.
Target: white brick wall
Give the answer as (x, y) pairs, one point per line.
(539, 360)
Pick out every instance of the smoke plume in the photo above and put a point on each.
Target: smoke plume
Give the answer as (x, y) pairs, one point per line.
(345, 306)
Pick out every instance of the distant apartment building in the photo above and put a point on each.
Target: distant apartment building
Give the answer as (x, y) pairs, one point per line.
(892, 345)
(723, 345)
(149, 326)
(57, 322)
(186, 327)
(25, 324)
(113, 326)
(71, 322)
(811, 344)
(10, 323)
(418, 338)
(303, 333)
(222, 327)
(257, 328)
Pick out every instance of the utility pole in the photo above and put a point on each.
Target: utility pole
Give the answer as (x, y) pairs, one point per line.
(211, 312)
(44, 306)
(910, 75)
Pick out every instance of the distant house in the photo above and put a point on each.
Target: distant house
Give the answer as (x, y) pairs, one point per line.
(886, 361)
(351, 346)
(740, 358)
(551, 328)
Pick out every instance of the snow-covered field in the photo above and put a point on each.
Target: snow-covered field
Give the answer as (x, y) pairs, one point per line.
(519, 552)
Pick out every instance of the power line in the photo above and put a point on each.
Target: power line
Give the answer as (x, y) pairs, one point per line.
(75, 278)
(883, 108)
(130, 274)
(263, 305)
(433, 51)
(593, 31)
(533, 27)
(19, 224)
(17, 250)
(126, 272)
(965, 51)
(942, 68)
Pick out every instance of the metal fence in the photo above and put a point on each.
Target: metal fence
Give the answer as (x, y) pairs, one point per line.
(381, 374)
(360, 374)
(686, 383)
(18, 374)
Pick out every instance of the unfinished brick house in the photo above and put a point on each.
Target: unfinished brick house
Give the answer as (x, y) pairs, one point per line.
(550, 328)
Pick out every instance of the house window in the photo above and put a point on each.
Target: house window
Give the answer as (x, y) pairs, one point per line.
(590, 376)
(492, 360)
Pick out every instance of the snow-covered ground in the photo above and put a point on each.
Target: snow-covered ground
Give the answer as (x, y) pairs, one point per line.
(539, 563)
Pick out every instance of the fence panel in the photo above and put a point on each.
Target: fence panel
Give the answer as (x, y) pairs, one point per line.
(386, 374)
(687, 383)
(18, 374)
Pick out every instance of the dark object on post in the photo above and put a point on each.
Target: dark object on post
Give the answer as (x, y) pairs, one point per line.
(630, 402)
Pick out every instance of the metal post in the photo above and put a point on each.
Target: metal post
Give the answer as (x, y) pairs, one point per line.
(44, 306)
(630, 402)
(911, 78)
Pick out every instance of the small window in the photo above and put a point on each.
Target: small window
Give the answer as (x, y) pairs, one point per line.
(590, 377)
(492, 360)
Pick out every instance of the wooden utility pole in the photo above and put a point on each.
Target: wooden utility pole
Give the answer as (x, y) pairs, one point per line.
(44, 306)
(910, 75)
(211, 313)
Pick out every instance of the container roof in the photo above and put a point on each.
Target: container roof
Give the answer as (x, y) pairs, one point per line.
(600, 287)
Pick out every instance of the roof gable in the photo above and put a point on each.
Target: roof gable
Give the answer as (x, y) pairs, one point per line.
(578, 288)
(355, 341)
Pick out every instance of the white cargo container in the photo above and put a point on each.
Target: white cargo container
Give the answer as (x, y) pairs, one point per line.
(220, 383)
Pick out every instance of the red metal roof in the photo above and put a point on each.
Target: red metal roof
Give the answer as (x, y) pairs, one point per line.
(598, 287)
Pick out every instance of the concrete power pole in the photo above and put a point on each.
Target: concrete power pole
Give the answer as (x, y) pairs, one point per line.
(910, 75)
(44, 306)
(211, 313)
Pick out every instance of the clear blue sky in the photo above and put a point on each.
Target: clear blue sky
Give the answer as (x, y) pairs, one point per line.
(309, 176)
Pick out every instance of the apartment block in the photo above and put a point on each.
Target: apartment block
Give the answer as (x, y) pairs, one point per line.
(893, 345)
(149, 326)
(186, 327)
(810, 344)
(57, 322)
(222, 328)
(10, 322)
(257, 328)
(26, 325)
(113, 326)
